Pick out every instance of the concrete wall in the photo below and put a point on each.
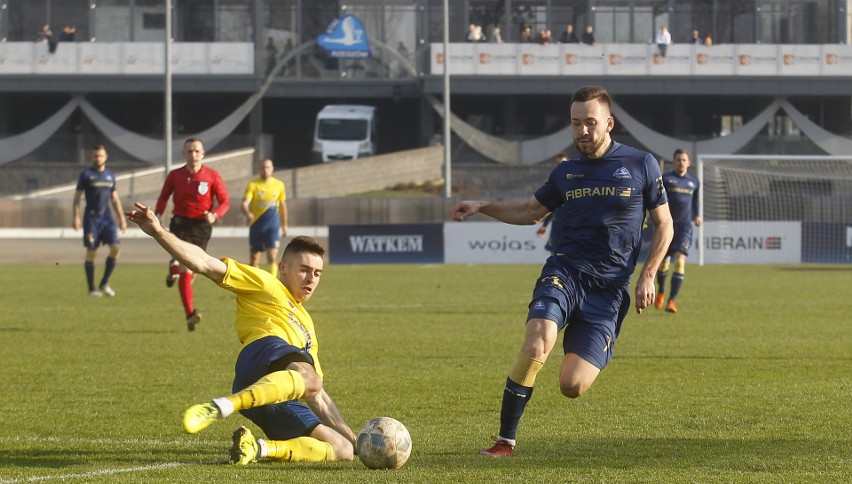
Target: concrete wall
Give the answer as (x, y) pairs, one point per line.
(231, 165)
(309, 191)
(366, 174)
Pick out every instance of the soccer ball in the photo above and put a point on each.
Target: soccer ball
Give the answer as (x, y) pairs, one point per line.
(383, 443)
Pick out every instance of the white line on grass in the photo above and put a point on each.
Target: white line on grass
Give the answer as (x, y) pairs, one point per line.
(86, 475)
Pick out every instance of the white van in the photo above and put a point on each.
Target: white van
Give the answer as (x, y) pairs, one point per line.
(345, 132)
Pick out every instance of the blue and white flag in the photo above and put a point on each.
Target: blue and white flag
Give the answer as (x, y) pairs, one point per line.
(345, 38)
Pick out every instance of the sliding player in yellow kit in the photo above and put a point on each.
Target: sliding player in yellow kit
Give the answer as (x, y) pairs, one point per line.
(278, 364)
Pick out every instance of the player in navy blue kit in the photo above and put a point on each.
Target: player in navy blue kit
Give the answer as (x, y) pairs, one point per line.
(583, 288)
(98, 184)
(682, 191)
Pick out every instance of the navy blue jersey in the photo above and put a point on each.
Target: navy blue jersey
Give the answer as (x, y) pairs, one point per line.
(554, 219)
(603, 207)
(98, 187)
(682, 192)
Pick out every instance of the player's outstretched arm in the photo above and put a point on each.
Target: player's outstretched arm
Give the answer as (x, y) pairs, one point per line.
(515, 212)
(188, 254)
(663, 233)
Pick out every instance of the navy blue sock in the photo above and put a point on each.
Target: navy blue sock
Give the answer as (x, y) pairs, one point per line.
(661, 281)
(677, 281)
(90, 274)
(515, 398)
(109, 266)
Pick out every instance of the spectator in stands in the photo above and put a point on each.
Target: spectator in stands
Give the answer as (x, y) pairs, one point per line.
(271, 55)
(68, 33)
(288, 48)
(526, 35)
(589, 35)
(696, 38)
(664, 38)
(708, 40)
(495, 38)
(44, 34)
(474, 33)
(543, 36)
(568, 36)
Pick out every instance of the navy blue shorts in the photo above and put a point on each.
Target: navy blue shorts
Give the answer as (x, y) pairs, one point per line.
(262, 238)
(98, 230)
(280, 421)
(589, 309)
(682, 240)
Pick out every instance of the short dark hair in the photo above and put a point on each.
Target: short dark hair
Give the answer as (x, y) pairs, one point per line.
(303, 243)
(592, 93)
(680, 151)
(192, 140)
(98, 148)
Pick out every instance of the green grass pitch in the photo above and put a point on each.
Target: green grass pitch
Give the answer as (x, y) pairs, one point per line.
(750, 382)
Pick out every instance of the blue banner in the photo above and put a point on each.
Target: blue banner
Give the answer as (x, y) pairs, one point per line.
(345, 38)
(826, 243)
(386, 244)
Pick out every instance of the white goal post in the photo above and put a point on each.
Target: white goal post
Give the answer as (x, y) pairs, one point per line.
(775, 209)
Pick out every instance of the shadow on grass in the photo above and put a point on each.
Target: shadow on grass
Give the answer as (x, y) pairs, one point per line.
(779, 455)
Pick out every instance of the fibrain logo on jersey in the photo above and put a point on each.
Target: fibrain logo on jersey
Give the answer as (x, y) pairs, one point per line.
(771, 242)
(375, 244)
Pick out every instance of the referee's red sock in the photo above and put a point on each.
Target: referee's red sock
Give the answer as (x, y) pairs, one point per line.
(185, 287)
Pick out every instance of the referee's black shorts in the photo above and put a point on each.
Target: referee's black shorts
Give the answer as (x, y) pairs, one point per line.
(196, 231)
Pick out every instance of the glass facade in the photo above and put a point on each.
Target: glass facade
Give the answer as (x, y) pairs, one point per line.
(414, 22)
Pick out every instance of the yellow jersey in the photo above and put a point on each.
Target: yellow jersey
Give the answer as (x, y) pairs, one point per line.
(266, 308)
(264, 196)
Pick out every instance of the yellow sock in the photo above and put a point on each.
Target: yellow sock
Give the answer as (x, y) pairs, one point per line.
(275, 387)
(301, 449)
(273, 269)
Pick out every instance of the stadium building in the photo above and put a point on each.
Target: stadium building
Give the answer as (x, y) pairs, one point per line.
(254, 73)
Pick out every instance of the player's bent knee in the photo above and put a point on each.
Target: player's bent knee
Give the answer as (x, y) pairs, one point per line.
(576, 375)
(680, 265)
(574, 389)
(313, 382)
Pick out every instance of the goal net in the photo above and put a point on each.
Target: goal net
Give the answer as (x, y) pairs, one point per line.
(775, 209)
